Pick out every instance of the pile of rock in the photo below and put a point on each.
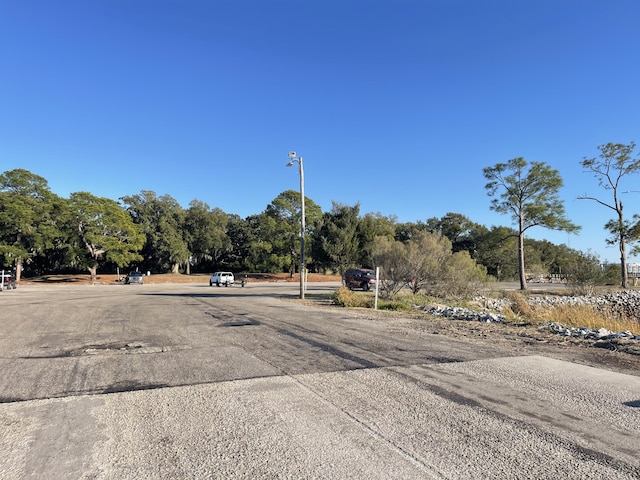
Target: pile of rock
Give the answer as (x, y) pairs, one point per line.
(588, 333)
(625, 303)
(458, 313)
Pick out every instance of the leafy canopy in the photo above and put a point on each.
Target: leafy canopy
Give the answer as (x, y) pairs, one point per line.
(529, 193)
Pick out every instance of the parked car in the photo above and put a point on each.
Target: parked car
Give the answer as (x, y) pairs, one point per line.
(363, 278)
(7, 280)
(222, 278)
(134, 277)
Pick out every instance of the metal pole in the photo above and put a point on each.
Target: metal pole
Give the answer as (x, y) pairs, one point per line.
(302, 229)
(292, 160)
(375, 301)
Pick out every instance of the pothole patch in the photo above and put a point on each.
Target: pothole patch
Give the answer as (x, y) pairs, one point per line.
(241, 323)
(127, 348)
(116, 348)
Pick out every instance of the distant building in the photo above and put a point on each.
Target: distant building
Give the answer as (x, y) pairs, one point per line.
(633, 270)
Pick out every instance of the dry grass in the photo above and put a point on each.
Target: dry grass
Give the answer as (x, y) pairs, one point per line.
(586, 316)
(519, 305)
(577, 316)
(347, 298)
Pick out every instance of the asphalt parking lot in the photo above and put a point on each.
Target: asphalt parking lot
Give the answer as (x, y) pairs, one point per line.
(188, 381)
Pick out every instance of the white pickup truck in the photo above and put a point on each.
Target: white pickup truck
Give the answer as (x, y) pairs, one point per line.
(222, 278)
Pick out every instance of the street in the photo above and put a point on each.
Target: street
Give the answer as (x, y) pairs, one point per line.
(192, 381)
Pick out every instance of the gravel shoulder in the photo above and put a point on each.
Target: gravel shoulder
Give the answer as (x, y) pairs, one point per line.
(619, 355)
(616, 355)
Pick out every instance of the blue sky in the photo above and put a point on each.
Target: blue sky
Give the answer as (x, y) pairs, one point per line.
(398, 105)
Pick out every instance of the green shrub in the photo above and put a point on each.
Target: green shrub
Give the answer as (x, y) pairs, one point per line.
(348, 298)
(462, 277)
(584, 274)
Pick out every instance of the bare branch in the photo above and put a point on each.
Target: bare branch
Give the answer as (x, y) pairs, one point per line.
(586, 197)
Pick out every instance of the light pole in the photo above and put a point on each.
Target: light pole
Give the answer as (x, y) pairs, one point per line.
(292, 160)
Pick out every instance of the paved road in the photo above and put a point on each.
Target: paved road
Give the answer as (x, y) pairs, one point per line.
(160, 381)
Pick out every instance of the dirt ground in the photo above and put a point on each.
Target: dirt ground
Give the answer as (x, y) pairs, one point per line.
(165, 278)
(617, 354)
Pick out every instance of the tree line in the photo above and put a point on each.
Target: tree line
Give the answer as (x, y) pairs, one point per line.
(43, 233)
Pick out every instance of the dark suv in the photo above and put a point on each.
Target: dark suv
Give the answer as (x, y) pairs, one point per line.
(363, 278)
(7, 280)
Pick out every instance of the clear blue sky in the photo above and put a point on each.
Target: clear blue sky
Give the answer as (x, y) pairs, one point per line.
(396, 104)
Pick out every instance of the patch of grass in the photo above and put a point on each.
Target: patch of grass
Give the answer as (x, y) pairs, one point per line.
(395, 305)
(586, 316)
(348, 298)
(519, 305)
(416, 299)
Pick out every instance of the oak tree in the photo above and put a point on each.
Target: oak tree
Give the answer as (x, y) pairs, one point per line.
(104, 231)
(162, 220)
(205, 231)
(28, 221)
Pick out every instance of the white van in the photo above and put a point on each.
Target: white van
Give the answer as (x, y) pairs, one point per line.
(221, 278)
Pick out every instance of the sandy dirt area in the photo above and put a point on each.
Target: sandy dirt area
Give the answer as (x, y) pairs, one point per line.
(166, 278)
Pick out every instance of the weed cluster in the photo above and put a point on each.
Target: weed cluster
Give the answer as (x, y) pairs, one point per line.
(348, 298)
(395, 305)
(518, 305)
(587, 316)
